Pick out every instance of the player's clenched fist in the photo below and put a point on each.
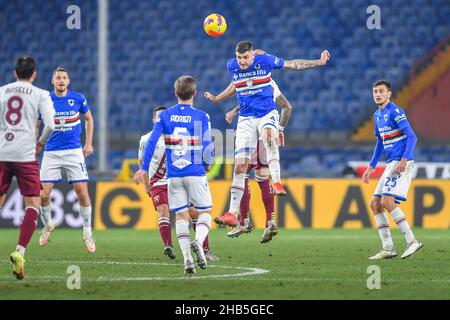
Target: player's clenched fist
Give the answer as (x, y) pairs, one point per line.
(210, 96)
(325, 56)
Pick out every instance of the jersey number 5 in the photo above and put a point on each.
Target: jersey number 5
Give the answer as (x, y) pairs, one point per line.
(181, 133)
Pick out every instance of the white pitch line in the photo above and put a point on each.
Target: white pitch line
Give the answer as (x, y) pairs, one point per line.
(47, 279)
(248, 272)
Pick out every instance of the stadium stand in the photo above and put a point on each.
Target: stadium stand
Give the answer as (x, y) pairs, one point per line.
(153, 42)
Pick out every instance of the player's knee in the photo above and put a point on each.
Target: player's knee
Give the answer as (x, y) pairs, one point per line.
(388, 203)
(182, 216)
(45, 198)
(80, 190)
(375, 205)
(269, 135)
(240, 168)
(193, 213)
(163, 211)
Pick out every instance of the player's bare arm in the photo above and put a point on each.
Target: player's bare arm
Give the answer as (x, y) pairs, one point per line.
(88, 148)
(229, 117)
(38, 126)
(366, 175)
(229, 92)
(401, 166)
(286, 110)
(137, 176)
(301, 64)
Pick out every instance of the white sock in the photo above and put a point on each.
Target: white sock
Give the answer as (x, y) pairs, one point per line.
(21, 250)
(86, 213)
(194, 223)
(46, 215)
(184, 238)
(383, 228)
(202, 228)
(273, 160)
(400, 220)
(237, 191)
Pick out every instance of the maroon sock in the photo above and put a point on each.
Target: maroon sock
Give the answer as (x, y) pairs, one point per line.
(267, 198)
(28, 226)
(245, 203)
(206, 244)
(165, 230)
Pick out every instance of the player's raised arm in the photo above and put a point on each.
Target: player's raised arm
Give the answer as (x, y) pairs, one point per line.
(301, 64)
(224, 95)
(88, 148)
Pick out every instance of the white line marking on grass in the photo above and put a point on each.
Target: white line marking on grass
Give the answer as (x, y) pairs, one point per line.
(246, 272)
(352, 237)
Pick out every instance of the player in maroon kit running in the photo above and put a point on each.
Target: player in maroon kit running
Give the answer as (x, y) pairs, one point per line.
(20, 105)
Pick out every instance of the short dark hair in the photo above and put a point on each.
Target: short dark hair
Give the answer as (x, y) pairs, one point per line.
(61, 69)
(185, 87)
(158, 108)
(244, 46)
(25, 66)
(382, 82)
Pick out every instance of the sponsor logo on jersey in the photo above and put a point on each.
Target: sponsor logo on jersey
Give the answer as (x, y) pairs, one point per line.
(9, 136)
(255, 73)
(250, 92)
(385, 128)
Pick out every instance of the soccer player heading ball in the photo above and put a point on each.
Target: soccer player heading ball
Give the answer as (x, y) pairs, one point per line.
(250, 74)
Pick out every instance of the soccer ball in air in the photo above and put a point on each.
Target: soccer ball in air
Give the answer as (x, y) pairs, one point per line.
(215, 25)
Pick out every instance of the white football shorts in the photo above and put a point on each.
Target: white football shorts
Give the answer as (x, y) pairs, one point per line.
(72, 161)
(250, 129)
(393, 184)
(185, 191)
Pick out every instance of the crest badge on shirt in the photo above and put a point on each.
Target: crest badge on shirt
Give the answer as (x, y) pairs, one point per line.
(71, 102)
(385, 117)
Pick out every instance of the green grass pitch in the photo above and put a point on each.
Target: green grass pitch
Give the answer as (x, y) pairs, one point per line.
(297, 264)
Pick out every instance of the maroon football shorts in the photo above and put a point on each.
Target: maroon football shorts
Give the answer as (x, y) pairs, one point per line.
(27, 175)
(159, 195)
(259, 158)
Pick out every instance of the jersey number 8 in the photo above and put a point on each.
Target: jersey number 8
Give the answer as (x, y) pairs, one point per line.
(14, 115)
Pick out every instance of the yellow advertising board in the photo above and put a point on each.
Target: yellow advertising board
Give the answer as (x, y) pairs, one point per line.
(311, 203)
